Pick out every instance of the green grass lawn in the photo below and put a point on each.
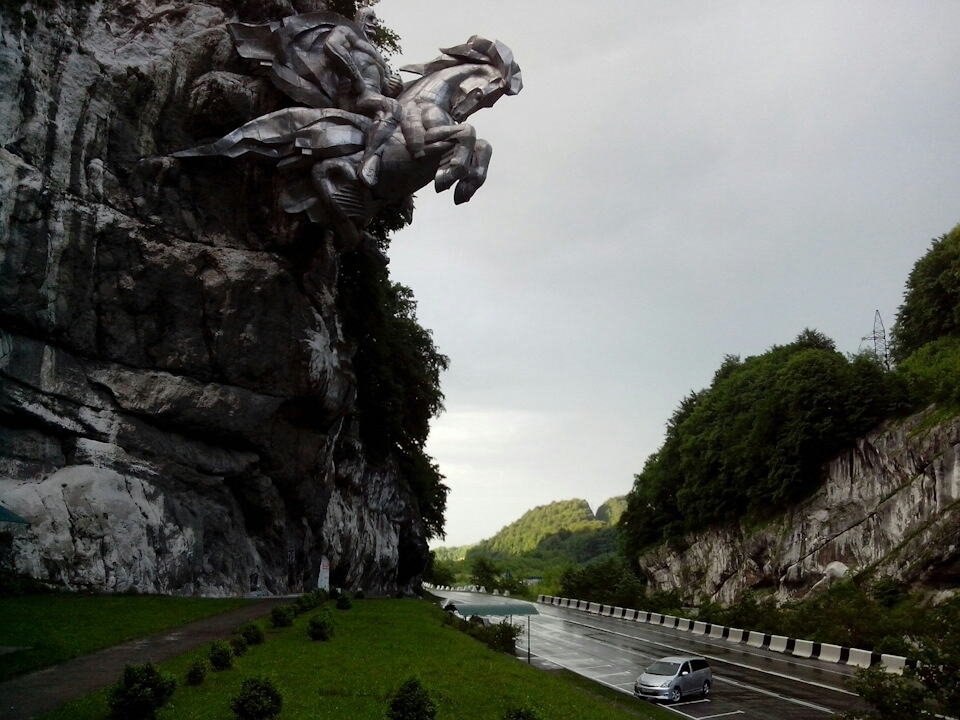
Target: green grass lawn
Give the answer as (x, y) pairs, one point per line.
(60, 627)
(378, 644)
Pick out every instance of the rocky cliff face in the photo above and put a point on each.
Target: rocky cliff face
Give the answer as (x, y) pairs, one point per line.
(888, 506)
(176, 395)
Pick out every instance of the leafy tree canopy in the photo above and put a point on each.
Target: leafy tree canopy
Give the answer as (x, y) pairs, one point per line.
(931, 301)
(398, 371)
(525, 534)
(612, 509)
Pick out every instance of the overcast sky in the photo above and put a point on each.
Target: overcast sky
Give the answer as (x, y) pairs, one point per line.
(677, 181)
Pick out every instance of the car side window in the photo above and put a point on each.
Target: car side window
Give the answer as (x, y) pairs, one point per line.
(699, 665)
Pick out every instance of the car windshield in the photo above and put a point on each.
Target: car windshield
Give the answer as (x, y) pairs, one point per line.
(663, 668)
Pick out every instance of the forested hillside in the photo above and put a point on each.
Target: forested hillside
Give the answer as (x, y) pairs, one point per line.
(534, 526)
(543, 543)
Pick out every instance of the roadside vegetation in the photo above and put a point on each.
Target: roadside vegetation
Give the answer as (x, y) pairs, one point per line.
(377, 647)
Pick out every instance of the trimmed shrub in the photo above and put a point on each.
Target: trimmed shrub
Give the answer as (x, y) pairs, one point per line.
(252, 633)
(142, 691)
(197, 672)
(343, 603)
(320, 626)
(520, 714)
(239, 646)
(306, 602)
(283, 615)
(411, 702)
(221, 655)
(359, 595)
(503, 637)
(259, 699)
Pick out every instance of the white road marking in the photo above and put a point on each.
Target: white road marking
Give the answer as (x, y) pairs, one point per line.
(770, 693)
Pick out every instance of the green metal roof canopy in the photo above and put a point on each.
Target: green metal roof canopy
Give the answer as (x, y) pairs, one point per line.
(492, 609)
(8, 517)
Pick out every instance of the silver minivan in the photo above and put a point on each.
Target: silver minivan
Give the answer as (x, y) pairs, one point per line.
(671, 678)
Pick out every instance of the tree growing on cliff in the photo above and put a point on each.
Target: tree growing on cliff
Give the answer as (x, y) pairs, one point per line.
(931, 301)
(754, 441)
(398, 371)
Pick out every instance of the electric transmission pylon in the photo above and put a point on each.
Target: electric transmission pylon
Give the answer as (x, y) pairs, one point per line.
(879, 338)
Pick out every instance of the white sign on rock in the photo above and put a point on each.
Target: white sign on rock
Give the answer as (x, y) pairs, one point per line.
(323, 582)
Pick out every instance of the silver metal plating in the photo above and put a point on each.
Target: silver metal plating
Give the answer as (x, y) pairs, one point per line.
(362, 139)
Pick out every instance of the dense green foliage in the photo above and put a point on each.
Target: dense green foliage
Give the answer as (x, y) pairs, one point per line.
(609, 581)
(259, 699)
(932, 688)
(439, 572)
(501, 636)
(526, 533)
(252, 634)
(283, 615)
(141, 692)
(344, 603)
(520, 714)
(484, 573)
(320, 626)
(59, 626)
(238, 645)
(931, 301)
(610, 511)
(411, 702)
(198, 670)
(932, 373)
(398, 378)
(220, 655)
(753, 443)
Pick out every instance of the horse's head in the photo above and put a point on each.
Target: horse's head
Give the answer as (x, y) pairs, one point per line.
(483, 71)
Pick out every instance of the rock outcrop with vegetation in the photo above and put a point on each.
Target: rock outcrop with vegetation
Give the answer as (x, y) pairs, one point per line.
(888, 507)
(179, 400)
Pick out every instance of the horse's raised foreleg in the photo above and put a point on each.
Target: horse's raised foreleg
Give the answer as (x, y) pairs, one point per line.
(455, 163)
(476, 173)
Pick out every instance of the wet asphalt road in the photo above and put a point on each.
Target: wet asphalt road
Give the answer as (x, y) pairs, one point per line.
(748, 682)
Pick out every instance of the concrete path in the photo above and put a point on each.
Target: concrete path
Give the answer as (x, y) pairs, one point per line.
(30, 696)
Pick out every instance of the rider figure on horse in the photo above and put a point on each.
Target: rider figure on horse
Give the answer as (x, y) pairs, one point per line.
(368, 86)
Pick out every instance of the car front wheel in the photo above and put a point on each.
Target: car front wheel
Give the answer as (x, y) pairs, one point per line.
(675, 694)
(705, 690)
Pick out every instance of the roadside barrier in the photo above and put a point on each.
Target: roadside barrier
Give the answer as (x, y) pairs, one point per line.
(776, 643)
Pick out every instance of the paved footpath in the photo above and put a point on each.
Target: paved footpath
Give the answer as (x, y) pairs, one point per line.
(30, 696)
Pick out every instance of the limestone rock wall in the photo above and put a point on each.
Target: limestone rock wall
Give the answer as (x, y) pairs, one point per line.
(176, 395)
(888, 506)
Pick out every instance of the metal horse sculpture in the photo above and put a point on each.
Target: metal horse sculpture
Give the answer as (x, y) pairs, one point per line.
(320, 150)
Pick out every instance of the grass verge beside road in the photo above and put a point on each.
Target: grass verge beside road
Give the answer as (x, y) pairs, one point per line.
(59, 627)
(377, 645)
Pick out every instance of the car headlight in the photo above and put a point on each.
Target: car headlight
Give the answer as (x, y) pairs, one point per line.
(667, 683)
